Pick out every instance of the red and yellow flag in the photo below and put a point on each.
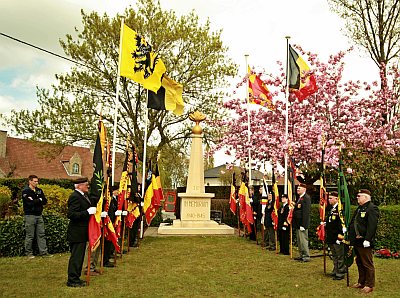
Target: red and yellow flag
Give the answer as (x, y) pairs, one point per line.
(232, 199)
(258, 92)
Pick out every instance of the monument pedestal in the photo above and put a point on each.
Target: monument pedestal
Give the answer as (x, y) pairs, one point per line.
(195, 218)
(195, 202)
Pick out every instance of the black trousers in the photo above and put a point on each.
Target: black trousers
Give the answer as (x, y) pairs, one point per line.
(76, 261)
(284, 239)
(108, 249)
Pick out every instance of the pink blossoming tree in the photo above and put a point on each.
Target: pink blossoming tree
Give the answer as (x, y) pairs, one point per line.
(358, 114)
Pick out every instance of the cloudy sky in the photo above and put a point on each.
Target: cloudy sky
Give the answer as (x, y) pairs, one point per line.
(257, 28)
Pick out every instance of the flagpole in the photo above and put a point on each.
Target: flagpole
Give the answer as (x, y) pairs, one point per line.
(144, 161)
(116, 103)
(246, 56)
(287, 108)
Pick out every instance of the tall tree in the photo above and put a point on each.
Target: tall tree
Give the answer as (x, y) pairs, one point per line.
(372, 24)
(194, 56)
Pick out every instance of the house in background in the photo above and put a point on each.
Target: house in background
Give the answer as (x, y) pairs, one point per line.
(212, 177)
(20, 158)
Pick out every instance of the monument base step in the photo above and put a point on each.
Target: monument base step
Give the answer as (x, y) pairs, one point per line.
(193, 227)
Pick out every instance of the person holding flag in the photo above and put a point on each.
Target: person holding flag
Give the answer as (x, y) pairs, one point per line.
(80, 207)
(334, 237)
(301, 222)
(283, 226)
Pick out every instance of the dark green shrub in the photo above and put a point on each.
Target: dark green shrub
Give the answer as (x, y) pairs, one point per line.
(12, 235)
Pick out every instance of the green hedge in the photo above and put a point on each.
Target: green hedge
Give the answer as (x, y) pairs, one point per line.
(12, 235)
(16, 185)
(387, 236)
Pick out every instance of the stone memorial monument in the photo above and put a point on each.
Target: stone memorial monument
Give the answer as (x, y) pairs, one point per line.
(195, 202)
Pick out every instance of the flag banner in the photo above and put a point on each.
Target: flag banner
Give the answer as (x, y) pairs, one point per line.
(109, 231)
(122, 194)
(138, 61)
(157, 189)
(243, 214)
(232, 199)
(291, 189)
(323, 201)
(301, 83)
(258, 92)
(96, 188)
(274, 214)
(345, 214)
(168, 97)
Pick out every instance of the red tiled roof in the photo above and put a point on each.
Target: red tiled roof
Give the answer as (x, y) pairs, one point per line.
(25, 157)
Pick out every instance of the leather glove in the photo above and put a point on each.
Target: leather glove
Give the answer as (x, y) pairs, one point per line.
(366, 243)
(118, 212)
(284, 228)
(344, 230)
(302, 229)
(104, 214)
(91, 210)
(125, 213)
(338, 242)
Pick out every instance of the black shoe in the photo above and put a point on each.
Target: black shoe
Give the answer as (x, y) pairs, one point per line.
(332, 274)
(110, 265)
(75, 285)
(298, 259)
(338, 277)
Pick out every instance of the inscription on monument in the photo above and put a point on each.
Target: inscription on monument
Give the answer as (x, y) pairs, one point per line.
(195, 209)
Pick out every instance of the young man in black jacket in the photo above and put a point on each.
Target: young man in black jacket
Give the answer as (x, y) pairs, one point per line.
(33, 199)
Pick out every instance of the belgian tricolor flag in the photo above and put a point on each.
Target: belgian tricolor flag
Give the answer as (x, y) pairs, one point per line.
(301, 83)
(168, 97)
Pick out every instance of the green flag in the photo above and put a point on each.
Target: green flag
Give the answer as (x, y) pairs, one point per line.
(345, 213)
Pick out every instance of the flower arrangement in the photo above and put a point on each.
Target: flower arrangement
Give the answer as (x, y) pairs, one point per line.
(386, 253)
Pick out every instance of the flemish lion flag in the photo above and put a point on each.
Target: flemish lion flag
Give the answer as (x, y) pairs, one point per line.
(258, 92)
(301, 83)
(168, 97)
(139, 62)
(96, 188)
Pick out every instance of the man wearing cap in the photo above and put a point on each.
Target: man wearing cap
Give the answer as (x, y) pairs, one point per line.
(283, 226)
(362, 230)
(334, 237)
(301, 222)
(79, 210)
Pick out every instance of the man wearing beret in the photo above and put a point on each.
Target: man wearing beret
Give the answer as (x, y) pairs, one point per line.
(334, 237)
(301, 222)
(362, 230)
(79, 210)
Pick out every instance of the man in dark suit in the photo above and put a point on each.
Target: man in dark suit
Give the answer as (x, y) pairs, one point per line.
(301, 222)
(283, 226)
(79, 210)
(334, 237)
(362, 230)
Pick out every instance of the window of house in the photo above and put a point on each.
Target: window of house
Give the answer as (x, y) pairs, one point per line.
(75, 168)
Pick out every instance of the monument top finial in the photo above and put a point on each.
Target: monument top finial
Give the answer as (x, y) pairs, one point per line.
(197, 117)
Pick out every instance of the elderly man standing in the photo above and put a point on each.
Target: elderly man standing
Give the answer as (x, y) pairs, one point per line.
(301, 222)
(79, 211)
(362, 230)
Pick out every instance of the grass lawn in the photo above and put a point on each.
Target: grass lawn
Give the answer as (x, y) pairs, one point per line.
(198, 266)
